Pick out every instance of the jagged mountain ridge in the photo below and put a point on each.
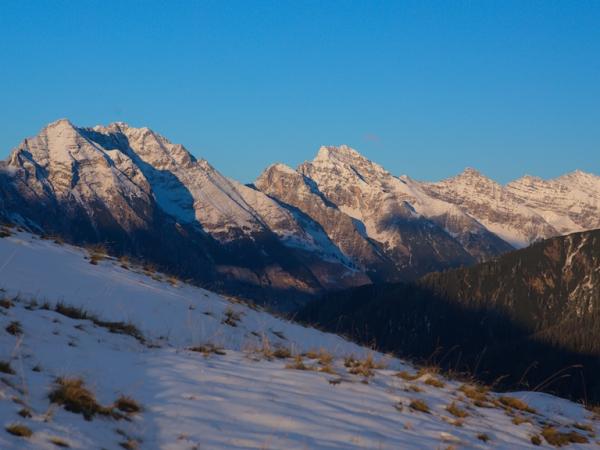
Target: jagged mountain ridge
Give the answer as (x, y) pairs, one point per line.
(337, 221)
(140, 194)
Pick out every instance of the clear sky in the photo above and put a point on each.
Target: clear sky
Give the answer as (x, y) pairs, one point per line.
(424, 88)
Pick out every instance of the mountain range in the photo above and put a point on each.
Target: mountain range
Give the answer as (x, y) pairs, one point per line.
(335, 222)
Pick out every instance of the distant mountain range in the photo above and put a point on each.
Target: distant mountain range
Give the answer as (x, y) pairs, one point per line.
(335, 222)
(530, 318)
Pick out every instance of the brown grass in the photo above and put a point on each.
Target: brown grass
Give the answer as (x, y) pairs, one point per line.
(297, 364)
(208, 349)
(419, 405)
(413, 388)
(17, 429)
(127, 405)
(129, 444)
(518, 420)
(25, 413)
(325, 358)
(59, 442)
(477, 393)
(5, 368)
(483, 437)
(14, 328)
(407, 376)
(231, 317)
(75, 312)
(456, 411)
(435, 382)
(6, 303)
(365, 367)
(72, 394)
(559, 438)
(536, 440)
(281, 352)
(515, 403)
(584, 427)
(311, 354)
(97, 253)
(124, 262)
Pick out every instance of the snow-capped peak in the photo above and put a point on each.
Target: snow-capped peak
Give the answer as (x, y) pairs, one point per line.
(342, 153)
(469, 173)
(280, 167)
(60, 123)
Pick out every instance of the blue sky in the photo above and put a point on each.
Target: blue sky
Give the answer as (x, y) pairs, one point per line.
(424, 88)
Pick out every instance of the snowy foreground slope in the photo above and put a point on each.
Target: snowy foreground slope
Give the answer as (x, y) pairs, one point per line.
(246, 395)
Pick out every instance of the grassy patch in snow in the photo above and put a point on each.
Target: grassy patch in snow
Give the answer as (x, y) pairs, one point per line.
(456, 411)
(419, 405)
(18, 429)
(14, 328)
(207, 349)
(560, 438)
(6, 368)
(515, 403)
(59, 442)
(127, 404)
(364, 367)
(75, 397)
(78, 313)
(231, 317)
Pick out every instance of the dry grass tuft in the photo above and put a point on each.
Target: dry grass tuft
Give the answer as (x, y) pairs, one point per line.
(75, 312)
(231, 317)
(483, 437)
(477, 393)
(311, 354)
(515, 403)
(124, 262)
(559, 438)
(59, 442)
(17, 429)
(97, 253)
(297, 364)
(25, 413)
(518, 420)
(435, 382)
(6, 303)
(14, 328)
(407, 376)
(365, 367)
(72, 312)
(584, 427)
(6, 368)
(536, 440)
(208, 349)
(281, 352)
(76, 398)
(127, 405)
(413, 388)
(456, 411)
(129, 444)
(419, 405)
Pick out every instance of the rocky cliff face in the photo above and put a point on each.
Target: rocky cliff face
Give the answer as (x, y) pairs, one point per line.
(378, 219)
